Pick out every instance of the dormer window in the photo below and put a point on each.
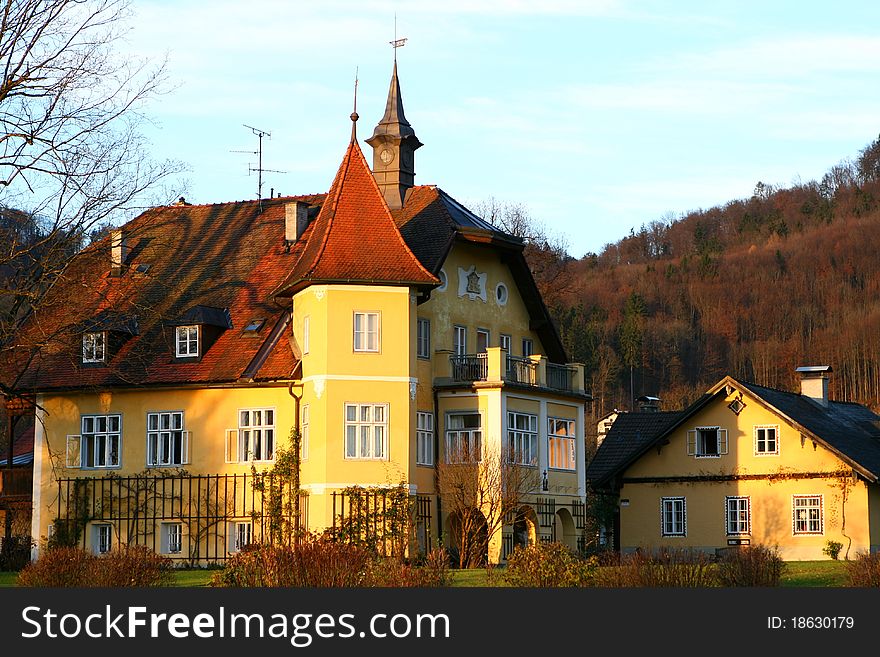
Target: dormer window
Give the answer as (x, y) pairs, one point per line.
(187, 341)
(94, 347)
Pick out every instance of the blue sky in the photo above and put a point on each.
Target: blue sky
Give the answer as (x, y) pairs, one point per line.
(598, 116)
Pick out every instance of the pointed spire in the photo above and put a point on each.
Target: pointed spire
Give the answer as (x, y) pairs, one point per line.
(354, 115)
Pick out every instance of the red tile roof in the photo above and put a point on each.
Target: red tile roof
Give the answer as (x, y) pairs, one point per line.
(354, 239)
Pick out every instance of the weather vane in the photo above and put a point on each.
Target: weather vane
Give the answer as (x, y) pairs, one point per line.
(397, 43)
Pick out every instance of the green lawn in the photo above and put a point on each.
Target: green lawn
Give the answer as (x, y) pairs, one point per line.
(797, 573)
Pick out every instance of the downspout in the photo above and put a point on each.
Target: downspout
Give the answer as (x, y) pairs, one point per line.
(436, 468)
(297, 451)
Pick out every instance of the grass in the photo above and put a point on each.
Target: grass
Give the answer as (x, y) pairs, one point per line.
(797, 574)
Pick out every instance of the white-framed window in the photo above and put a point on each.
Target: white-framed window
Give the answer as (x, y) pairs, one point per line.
(101, 441)
(528, 347)
(94, 347)
(707, 442)
(242, 535)
(738, 515)
(424, 438)
(366, 431)
(256, 434)
(423, 338)
(806, 514)
(522, 438)
(459, 340)
(187, 341)
(304, 421)
(366, 331)
(167, 441)
(464, 438)
(307, 330)
(102, 538)
(172, 537)
(501, 294)
(562, 445)
(482, 340)
(766, 441)
(504, 342)
(444, 280)
(673, 516)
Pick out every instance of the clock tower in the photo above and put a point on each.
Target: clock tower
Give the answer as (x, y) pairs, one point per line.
(394, 143)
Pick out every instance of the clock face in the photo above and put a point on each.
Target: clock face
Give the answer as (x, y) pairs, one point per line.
(386, 156)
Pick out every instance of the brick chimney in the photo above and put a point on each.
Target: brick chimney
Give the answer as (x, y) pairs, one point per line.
(814, 382)
(296, 219)
(118, 251)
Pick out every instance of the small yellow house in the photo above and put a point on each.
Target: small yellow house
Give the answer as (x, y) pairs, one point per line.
(744, 465)
(383, 321)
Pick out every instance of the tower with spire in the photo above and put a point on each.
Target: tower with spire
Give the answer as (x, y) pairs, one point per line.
(394, 143)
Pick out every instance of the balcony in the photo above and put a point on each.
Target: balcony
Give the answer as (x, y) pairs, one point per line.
(495, 365)
(16, 483)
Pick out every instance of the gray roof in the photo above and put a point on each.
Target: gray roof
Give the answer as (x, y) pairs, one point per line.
(629, 436)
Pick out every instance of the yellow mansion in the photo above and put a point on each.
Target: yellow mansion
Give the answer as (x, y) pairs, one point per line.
(383, 323)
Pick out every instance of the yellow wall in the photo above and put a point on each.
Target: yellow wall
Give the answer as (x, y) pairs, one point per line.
(769, 481)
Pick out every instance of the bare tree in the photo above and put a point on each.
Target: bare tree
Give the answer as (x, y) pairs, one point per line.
(71, 156)
(481, 496)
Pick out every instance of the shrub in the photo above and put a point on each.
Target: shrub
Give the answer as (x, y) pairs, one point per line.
(319, 561)
(750, 565)
(548, 565)
(832, 549)
(123, 567)
(16, 552)
(864, 570)
(662, 568)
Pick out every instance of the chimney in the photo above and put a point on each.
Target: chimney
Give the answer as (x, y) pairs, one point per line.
(814, 382)
(118, 251)
(296, 219)
(648, 404)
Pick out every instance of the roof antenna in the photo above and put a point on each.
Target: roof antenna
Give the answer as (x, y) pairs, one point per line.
(259, 153)
(354, 115)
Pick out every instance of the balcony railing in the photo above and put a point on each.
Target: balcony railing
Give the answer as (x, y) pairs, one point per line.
(16, 482)
(467, 368)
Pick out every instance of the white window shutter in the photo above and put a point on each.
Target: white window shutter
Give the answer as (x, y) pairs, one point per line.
(186, 439)
(692, 442)
(722, 441)
(74, 451)
(232, 445)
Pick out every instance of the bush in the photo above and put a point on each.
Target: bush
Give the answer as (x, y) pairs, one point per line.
(321, 562)
(864, 570)
(750, 565)
(16, 552)
(548, 565)
(661, 568)
(123, 567)
(832, 549)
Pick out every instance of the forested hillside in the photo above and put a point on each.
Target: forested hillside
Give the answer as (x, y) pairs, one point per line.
(788, 277)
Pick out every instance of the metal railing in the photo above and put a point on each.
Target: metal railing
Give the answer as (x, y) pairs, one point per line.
(559, 377)
(466, 368)
(383, 520)
(521, 370)
(469, 367)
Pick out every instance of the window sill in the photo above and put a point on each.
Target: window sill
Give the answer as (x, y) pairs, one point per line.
(425, 465)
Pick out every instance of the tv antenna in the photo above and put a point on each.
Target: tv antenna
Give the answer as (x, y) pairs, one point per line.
(259, 153)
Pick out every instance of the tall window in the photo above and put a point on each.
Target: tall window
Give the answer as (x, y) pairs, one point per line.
(307, 329)
(366, 431)
(187, 341)
(101, 438)
(103, 538)
(528, 347)
(561, 442)
(423, 339)
(424, 438)
(673, 516)
(366, 331)
(766, 441)
(522, 438)
(505, 343)
(304, 432)
(482, 341)
(806, 514)
(172, 537)
(243, 535)
(256, 434)
(707, 442)
(464, 438)
(459, 340)
(166, 444)
(738, 515)
(94, 347)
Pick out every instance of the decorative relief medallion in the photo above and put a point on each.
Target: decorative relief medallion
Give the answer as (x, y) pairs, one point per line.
(319, 293)
(472, 283)
(318, 384)
(413, 389)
